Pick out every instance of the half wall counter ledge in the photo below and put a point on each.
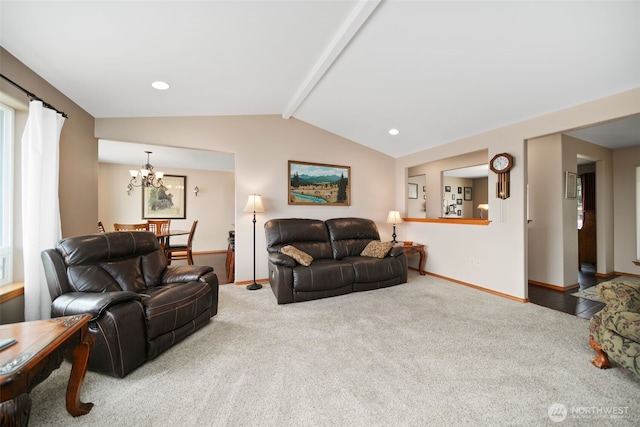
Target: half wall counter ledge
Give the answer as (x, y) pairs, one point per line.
(465, 221)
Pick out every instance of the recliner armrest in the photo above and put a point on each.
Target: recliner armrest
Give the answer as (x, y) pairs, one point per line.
(396, 251)
(184, 273)
(282, 259)
(84, 302)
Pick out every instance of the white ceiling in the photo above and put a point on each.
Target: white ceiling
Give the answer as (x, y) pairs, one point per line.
(436, 70)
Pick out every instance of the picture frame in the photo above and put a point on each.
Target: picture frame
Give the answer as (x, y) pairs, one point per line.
(452, 208)
(413, 191)
(166, 202)
(570, 185)
(447, 189)
(468, 193)
(459, 190)
(318, 184)
(458, 201)
(459, 212)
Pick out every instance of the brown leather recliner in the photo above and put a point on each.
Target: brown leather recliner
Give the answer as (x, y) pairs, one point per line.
(337, 268)
(140, 305)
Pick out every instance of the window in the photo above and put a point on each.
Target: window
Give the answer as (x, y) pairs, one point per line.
(6, 197)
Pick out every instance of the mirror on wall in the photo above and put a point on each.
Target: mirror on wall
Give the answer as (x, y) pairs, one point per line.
(451, 187)
(464, 190)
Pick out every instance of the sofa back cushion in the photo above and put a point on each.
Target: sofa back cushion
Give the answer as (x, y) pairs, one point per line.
(105, 262)
(349, 236)
(307, 235)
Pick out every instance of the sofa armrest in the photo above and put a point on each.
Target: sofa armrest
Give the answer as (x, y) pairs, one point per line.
(93, 303)
(620, 295)
(184, 273)
(282, 259)
(396, 251)
(626, 324)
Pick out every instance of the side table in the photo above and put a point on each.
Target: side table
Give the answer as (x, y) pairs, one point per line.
(415, 248)
(40, 348)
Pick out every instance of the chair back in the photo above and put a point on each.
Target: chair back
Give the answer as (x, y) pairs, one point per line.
(160, 227)
(131, 227)
(191, 233)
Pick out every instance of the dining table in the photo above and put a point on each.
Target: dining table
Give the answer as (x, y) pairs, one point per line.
(163, 237)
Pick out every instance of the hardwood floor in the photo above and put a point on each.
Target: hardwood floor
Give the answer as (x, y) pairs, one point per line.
(564, 301)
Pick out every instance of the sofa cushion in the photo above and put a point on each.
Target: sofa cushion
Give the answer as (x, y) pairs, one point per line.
(377, 249)
(308, 235)
(171, 306)
(349, 236)
(127, 273)
(91, 278)
(301, 257)
(322, 275)
(371, 269)
(624, 323)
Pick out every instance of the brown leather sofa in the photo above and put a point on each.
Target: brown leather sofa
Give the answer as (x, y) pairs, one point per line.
(140, 305)
(337, 267)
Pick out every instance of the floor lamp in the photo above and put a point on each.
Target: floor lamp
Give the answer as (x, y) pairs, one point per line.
(254, 204)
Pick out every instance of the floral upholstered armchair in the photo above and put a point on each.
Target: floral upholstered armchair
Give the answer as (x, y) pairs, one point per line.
(614, 332)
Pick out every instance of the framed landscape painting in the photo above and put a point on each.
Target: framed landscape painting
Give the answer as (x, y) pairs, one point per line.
(166, 202)
(319, 184)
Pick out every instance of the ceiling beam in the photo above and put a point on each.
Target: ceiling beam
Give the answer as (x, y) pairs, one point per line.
(356, 19)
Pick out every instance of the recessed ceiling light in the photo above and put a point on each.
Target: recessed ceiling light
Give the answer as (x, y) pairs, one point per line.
(160, 85)
(393, 131)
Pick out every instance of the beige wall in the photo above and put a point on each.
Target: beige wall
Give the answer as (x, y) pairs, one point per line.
(546, 252)
(495, 256)
(213, 207)
(262, 147)
(78, 148)
(624, 222)
(78, 160)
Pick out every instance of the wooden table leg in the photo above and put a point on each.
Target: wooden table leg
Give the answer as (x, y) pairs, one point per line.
(78, 370)
(16, 411)
(421, 262)
(601, 360)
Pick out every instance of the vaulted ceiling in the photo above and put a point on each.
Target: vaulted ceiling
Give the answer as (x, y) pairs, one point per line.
(435, 70)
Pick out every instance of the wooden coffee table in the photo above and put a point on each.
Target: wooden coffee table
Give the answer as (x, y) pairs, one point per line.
(41, 346)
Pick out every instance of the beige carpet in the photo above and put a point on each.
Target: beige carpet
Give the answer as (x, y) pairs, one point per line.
(429, 352)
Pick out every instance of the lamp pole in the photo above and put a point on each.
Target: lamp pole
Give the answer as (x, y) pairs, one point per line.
(254, 204)
(254, 286)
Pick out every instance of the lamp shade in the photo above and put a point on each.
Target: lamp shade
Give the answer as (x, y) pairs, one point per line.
(254, 204)
(483, 206)
(394, 217)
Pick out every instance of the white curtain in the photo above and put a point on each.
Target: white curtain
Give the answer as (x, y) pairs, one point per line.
(40, 205)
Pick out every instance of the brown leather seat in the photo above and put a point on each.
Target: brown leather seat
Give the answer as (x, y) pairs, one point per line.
(337, 267)
(140, 305)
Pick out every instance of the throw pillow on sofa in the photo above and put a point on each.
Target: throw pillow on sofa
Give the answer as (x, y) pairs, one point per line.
(301, 257)
(377, 249)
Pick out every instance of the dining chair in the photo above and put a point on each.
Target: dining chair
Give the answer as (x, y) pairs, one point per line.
(101, 227)
(129, 227)
(177, 252)
(161, 228)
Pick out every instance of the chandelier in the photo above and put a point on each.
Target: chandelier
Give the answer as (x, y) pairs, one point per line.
(148, 178)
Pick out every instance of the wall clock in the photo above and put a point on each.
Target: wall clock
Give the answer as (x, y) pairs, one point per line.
(502, 164)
